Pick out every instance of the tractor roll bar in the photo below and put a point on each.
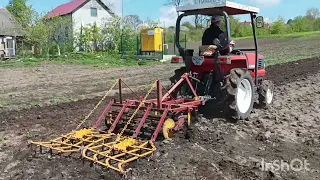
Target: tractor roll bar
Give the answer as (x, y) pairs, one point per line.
(219, 12)
(253, 22)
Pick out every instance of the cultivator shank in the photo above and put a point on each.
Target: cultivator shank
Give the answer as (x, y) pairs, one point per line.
(131, 129)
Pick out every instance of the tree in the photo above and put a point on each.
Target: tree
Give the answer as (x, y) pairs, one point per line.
(175, 3)
(234, 25)
(21, 12)
(151, 23)
(312, 13)
(133, 21)
(316, 25)
(278, 27)
(37, 33)
(243, 30)
(198, 19)
(300, 24)
(188, 25)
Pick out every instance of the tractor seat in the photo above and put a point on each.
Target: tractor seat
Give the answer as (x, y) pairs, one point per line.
(207, 50)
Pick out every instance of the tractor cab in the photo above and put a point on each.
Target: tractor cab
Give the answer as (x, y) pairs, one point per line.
(222, 52)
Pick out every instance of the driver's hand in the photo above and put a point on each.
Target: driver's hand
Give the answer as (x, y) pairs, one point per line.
(232, 42)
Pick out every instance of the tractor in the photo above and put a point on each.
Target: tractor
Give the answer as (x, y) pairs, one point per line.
(234, 77)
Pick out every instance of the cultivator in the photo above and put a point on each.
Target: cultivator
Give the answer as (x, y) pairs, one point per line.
(130, 130)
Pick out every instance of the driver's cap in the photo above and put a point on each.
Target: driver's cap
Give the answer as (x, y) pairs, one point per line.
(216, 19)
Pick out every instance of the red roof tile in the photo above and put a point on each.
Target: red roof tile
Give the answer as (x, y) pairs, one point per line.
(65, 9)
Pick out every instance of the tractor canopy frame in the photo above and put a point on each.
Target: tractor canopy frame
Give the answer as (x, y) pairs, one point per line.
(223, 8)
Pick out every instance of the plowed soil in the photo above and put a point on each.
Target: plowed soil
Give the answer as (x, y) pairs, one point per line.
(217, 149)
(53, 84)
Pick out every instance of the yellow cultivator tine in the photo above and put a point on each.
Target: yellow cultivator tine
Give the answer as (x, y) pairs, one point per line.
(73, 142)
(111, 156)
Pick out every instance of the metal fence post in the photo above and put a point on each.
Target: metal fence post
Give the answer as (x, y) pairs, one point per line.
(164, 42)
(185, 41)
(137, 45)
(174, 44)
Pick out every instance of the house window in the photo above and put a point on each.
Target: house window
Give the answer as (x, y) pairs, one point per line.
(94, 12)
(67, 32)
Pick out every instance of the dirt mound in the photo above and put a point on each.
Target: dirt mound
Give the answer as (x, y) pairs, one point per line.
(216, 149)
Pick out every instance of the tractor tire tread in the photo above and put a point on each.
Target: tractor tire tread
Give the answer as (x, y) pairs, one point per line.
(175, 78)
(262, 92)
(232, 80)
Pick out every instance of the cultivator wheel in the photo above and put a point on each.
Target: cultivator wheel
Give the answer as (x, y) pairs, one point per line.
(240, 91)
(168, 129)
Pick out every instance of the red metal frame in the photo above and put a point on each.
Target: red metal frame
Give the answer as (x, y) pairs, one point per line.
(164, 104)
(226, 63)
(123, 109)
(163, 118)
(103, 115)
(143, 120)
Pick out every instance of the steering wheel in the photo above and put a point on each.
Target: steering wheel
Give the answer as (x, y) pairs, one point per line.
(221, 42)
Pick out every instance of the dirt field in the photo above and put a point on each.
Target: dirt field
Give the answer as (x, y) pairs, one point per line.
(217, 149)
(53, 84)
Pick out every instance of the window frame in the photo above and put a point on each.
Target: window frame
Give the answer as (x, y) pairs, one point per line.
(92, 12)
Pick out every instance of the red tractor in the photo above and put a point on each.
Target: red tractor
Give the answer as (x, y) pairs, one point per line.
(219, 72)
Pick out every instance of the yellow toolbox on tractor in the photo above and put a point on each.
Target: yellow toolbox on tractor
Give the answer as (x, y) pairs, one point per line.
(152, 40)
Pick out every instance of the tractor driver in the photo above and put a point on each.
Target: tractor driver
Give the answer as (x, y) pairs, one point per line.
(213, 31)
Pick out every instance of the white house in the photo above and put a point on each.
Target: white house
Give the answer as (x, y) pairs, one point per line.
(82, 13)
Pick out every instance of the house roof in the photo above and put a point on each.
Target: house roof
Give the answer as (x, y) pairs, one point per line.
(72, 6)
(7, 25)
(249, 23)
(245, 23)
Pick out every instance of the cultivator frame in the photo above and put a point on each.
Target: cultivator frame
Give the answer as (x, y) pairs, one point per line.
(113, 150)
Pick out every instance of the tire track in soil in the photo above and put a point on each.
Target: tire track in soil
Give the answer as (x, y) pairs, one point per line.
(53, 120)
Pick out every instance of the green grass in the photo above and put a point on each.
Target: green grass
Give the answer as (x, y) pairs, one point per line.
(272, 36)
(290, 35)
(276, 60)
(100, 60)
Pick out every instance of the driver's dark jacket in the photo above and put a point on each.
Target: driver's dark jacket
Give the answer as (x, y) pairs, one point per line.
(210, 34)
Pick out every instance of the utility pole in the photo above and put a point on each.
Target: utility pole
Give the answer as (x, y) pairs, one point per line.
(122, 26)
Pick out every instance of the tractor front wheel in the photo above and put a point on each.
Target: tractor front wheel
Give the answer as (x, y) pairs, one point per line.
(266, 94)
(240, 91)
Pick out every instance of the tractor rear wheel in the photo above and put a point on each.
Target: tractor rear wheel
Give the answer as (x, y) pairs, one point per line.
(240, 91)
(266, 93)
(182, 89)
